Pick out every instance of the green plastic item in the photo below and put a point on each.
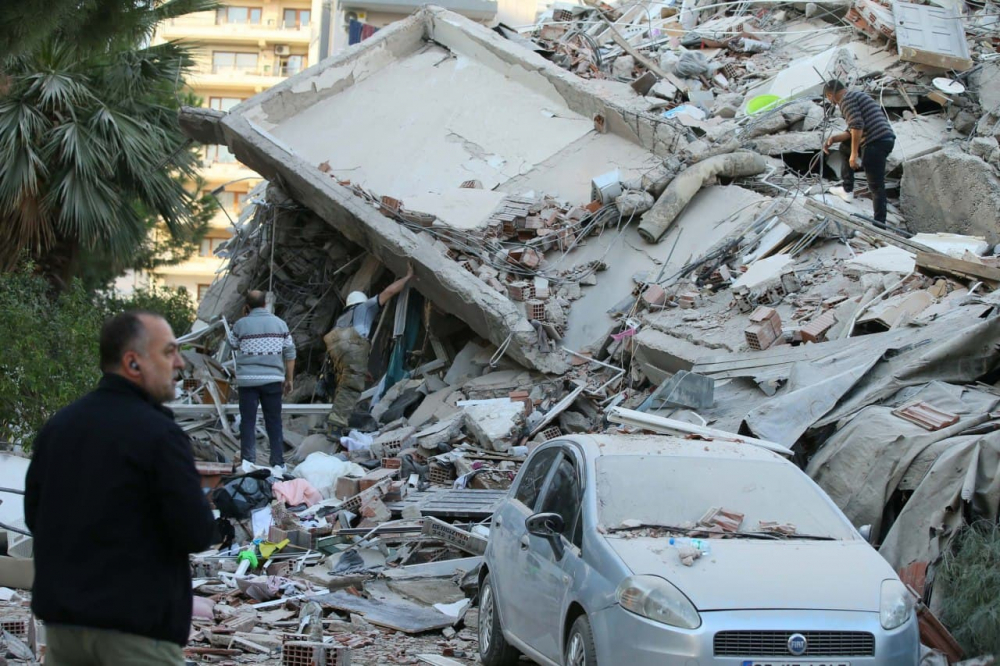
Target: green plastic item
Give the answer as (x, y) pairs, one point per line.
(762, 103)
(248, 555)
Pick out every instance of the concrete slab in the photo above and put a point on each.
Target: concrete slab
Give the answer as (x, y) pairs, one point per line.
(917, 137)
(494, 423)
(889, 259)
(714, 213)
(953, 245)
(953, 192)
(763, 271)
(444, 117)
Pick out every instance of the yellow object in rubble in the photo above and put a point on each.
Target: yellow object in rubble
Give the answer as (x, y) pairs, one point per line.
(267, 548)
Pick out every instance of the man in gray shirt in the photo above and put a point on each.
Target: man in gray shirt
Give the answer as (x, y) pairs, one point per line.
(265, 365)
(349, 344)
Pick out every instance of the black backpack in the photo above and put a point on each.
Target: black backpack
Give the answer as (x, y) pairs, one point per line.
(242, 495)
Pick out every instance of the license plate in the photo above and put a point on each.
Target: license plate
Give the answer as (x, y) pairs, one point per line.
(796, 663)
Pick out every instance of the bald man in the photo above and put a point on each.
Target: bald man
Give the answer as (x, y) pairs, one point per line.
(265, 366)
(114, 502)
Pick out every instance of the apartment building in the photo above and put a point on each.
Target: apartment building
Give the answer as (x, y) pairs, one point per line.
(240, 50)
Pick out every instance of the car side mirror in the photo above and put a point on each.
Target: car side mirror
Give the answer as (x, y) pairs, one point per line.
(866, 533)
(548, 526)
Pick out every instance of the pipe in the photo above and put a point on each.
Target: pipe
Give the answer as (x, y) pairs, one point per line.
(671, 426)
(688, 183)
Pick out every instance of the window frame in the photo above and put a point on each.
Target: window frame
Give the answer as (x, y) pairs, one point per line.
(298, 24)
(222, 15)
(544, 480)
(283, 64)
(214, 243)
(566, 453)
(219, 107)
(234, 67)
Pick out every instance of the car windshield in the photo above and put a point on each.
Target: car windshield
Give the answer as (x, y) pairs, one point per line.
(679, 491)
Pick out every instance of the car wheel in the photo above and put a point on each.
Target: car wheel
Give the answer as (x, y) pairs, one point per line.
(494, 650)
(580, 648)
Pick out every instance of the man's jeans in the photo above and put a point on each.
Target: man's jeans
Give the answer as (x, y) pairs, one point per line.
(269, 397)
(873, 157)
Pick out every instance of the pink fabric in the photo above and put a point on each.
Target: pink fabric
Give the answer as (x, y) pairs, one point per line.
(298, 491)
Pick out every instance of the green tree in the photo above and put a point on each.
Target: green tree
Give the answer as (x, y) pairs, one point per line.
(91, 146)
(50, 354)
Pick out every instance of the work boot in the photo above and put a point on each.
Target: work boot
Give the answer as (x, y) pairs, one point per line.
(842, 193)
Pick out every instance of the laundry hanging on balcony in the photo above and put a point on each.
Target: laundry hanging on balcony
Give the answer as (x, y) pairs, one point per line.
(359, 31)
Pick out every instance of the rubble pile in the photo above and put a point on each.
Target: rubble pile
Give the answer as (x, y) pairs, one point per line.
(734, 292)
(647, 226)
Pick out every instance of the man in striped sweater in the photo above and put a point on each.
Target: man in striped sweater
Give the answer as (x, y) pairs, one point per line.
(865, 145)
(265, 365)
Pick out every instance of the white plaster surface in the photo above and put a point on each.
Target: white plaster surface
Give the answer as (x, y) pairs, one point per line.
(418, 129)
(889, 259)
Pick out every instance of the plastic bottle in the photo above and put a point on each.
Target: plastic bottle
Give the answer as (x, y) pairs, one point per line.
(701, 545)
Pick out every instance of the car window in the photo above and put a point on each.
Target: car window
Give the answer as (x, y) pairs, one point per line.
(563, 497)
(535, 471)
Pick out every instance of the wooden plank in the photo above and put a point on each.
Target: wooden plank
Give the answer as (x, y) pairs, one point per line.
(399, 615)
(934, 262)
(859, 224)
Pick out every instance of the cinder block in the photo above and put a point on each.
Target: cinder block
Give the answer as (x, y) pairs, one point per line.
(347, 487)
(375, 477)
(654, 295)
(816, 330)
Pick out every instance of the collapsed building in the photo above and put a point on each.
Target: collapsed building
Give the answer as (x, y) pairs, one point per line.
(619, 207)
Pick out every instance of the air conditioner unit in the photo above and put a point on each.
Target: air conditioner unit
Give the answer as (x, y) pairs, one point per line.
(282, 50)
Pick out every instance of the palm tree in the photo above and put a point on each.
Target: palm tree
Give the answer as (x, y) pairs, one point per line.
(90, 146)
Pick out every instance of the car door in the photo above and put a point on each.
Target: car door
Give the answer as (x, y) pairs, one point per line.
(546, 580)
(507, 532)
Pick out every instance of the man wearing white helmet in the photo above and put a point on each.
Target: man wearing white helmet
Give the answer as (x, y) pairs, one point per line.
(349, 344)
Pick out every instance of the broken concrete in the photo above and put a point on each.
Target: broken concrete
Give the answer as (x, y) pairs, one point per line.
(495, 423)
(951, 191)
(683, 188)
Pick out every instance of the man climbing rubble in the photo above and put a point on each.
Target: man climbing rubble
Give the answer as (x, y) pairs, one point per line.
(349, 344)
(865, 145)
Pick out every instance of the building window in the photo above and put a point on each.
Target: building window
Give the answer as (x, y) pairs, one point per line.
(223, 103)
(239, 15)
(292, 65)
(202, 290)
(232, 201)
(209, 246)
(218, 155)
(296, 18)
(229, 61)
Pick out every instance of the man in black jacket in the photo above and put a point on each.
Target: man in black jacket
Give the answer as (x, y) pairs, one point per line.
(115, 506)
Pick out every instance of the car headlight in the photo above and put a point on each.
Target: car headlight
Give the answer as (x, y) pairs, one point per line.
(896, 604)
(656, 599)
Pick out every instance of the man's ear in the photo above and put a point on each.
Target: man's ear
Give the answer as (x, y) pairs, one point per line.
(130, 364)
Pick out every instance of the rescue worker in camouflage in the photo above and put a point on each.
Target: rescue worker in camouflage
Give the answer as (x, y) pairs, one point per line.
(349, 344)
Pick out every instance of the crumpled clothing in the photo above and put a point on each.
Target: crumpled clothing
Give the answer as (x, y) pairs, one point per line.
(295, 492)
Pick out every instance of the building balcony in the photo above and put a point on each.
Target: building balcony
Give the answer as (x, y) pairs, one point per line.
(195, 29)
(477, 10)
(231, 78)
(199, 267)
(216, 173)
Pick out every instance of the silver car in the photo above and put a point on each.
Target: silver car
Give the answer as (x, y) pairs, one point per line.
(584, 567)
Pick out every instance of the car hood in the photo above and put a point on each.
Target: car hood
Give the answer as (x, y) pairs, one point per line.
(742, 574)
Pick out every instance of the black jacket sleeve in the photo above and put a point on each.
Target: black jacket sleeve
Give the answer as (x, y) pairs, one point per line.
(33, 481)
(184, 511)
